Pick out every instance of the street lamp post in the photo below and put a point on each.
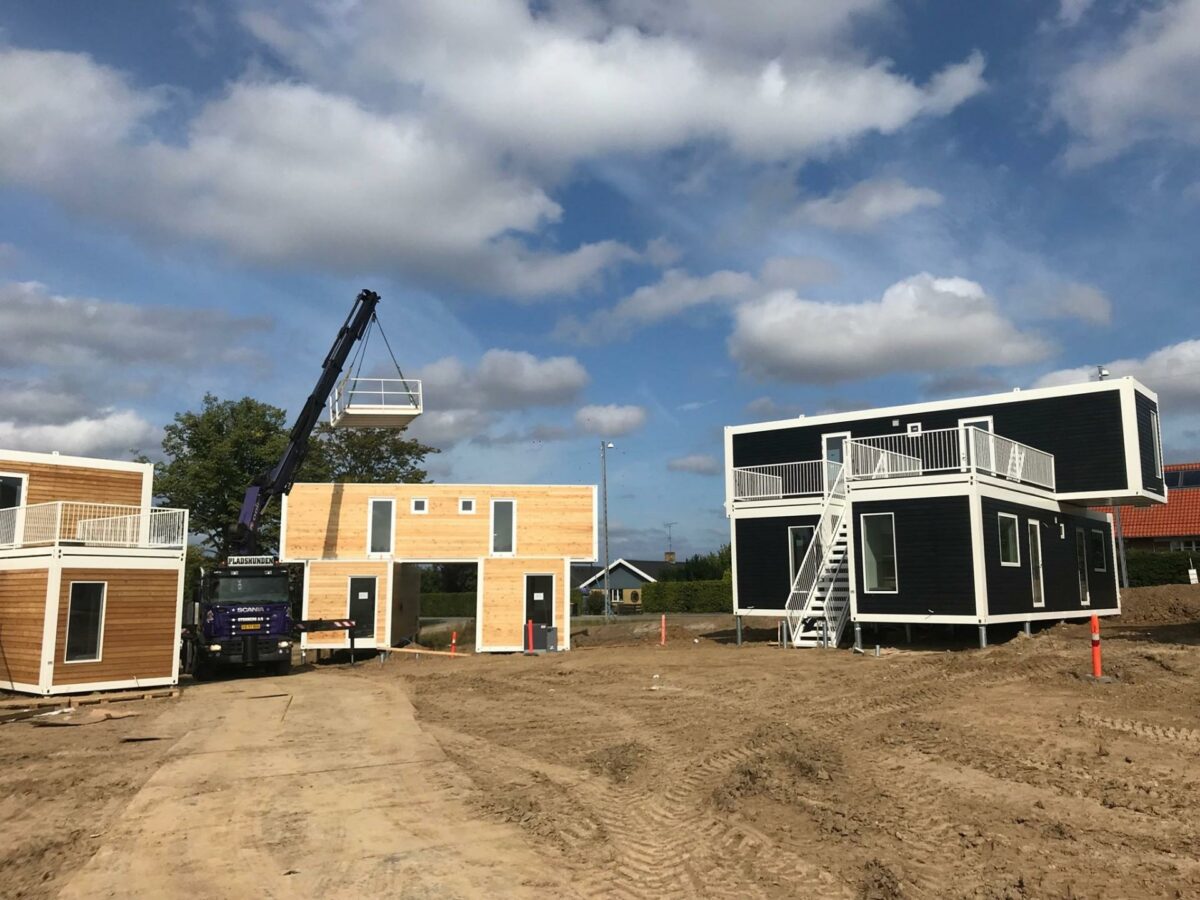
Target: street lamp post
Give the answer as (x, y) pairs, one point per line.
(605, 446)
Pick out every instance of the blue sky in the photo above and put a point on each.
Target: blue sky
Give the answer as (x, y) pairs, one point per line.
(593, 220)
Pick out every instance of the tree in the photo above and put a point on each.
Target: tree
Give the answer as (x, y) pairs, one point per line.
(213, 454)
(701, 567)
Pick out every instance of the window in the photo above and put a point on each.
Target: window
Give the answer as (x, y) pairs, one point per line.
(1099, 557)
(914, 427)
(379, 526)
(879, 553)
(1010, 546)
(420, 506)
(1187, 546)
(1156, 438)
(85, 621)
(1170, 479)
(466, 506)
(504, 520)
(799, 537)
(11, 489)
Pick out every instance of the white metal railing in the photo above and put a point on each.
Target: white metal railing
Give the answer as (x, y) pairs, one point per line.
(946, 450)
(816, 557)
(92, 525)
(374, 393)
(793, 479)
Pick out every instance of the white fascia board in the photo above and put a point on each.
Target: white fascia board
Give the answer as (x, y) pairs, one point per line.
(1069, 390)
(58, 459)
(85, 687)
(1085, 613)
(20, 686)
(613, 565)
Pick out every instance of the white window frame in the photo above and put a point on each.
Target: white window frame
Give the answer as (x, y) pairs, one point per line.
(23, 477)
(1041, 555)
(1000, 538)
(862, 524)
(964, 437)
(1086, 587)
(1103, 555)
(99, 657)
(462, 511)
(412, 506)
(376, 554)
(1156, 437)
(792, 561)
(492, 527)
(913, 428)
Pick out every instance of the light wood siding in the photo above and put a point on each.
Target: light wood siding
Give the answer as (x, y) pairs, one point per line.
(328, 521)
(22, 617)
(49, 482)
(329, 594)
(139, 638)
(503, 622)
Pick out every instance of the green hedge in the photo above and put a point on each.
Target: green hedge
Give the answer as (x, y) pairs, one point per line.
(688, 597)
(1147, 568)
(448, 606)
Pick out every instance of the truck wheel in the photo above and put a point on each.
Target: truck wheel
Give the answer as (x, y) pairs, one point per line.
(202, 671)
(283, 667)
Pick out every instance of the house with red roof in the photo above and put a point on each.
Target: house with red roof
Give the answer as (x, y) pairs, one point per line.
(1174, 525)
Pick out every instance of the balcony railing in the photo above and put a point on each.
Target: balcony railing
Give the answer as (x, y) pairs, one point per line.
(375, 402)
(948, 450)
(901, 456)
(91, 525)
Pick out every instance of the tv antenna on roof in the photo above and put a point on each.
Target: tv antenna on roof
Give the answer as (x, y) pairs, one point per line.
(667, 525)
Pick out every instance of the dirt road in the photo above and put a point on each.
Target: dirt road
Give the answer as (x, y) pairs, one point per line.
(698, 770)
(316, 785)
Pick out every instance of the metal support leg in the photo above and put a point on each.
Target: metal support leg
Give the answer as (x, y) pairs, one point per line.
(908, 634)
(738, 622)
(858, 636)
(1028, 629)
(982, 636)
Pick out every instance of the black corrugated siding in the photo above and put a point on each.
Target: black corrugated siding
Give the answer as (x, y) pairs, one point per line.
(934, 564)
(1083, 431)
(763, 565)
(1010, 588)
(1151, 480)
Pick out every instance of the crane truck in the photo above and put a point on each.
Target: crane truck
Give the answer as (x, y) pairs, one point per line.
(241, 615)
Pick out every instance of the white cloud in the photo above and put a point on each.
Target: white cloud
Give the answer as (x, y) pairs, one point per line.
(1143, 88)
(766, 408)
(504, 379)
(867, 205)
(110, 433)
(678, 292)
(41, 327)
(611, 420)
(444, 428)
(283, 173)
(697, 464)
(1071, 11)
(573, 81)
(921, 324)
(1172, 372)
(1076, 301)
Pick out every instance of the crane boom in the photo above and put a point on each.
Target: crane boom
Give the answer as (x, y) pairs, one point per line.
(278, 481)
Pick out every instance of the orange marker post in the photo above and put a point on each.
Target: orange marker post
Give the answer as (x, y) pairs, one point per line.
(529, 636)
(453, 642)
(1095, 646)
(662, 632)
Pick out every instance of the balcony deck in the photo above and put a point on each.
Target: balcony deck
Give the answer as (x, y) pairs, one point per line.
(74, 524)
(907, 455)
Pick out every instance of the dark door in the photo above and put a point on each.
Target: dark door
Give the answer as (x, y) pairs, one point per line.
(362, 607)
(539, 599)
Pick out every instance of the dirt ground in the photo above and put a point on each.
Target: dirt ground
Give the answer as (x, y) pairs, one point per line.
(626, 769)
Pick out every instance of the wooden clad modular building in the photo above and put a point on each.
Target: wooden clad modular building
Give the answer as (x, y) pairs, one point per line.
(361, 544)
(91, 577)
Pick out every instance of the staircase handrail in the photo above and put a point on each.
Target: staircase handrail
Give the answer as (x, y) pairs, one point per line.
(817, 554)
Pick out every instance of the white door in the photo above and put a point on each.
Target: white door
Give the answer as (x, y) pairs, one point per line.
(833, 450)
(983, 449)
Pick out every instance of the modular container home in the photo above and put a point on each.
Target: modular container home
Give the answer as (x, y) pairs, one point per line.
(970, 511)
(361, 545)
(91, 576)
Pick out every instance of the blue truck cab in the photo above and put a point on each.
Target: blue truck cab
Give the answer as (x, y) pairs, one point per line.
(241, 618)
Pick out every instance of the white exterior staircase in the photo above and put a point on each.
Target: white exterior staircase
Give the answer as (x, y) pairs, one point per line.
(818, 606)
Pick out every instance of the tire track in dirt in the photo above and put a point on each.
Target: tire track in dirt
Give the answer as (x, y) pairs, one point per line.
(1168, 734)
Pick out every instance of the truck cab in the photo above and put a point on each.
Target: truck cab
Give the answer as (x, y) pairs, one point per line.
(241, 618)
